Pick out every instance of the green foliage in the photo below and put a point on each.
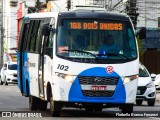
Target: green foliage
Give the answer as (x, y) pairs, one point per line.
(141, 46)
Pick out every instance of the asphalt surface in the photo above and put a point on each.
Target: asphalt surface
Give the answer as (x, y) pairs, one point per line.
(12, 101)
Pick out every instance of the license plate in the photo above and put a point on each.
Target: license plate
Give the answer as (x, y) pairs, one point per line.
(138, 92)
(98, 88)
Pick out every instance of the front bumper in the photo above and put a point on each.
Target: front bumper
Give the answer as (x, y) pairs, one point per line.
(144, 93)
(12, 80)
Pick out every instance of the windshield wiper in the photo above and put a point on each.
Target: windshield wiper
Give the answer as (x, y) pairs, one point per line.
(81, 51)
(117, 54)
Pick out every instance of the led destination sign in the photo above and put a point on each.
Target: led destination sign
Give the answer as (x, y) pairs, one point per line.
(96, 26)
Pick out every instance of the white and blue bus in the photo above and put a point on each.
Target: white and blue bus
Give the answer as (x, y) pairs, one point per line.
(64, 59)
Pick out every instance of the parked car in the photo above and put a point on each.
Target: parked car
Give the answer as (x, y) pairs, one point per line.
(146, 89)
(156, 80)
(8, 73)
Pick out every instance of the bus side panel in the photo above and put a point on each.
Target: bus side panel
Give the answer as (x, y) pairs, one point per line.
(47, 72)
(33, 72)
(23, 75)
(18, 73)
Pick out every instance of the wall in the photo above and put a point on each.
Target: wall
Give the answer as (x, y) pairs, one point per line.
(151, 59)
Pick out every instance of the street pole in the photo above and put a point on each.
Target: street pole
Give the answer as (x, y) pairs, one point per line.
(2, 35)
(38, 6)
(145, 17)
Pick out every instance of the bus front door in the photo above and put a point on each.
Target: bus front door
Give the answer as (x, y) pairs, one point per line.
(41, 71)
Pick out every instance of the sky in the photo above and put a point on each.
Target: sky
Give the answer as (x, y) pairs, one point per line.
(148, 18)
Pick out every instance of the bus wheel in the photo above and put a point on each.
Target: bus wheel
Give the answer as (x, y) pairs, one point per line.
(128, 108)
(42, 104)
(55, 107)
(33, 102)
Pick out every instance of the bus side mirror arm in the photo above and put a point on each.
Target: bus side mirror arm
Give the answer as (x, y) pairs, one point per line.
(45, 29)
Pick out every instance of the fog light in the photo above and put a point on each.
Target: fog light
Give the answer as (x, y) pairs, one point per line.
(151, 95)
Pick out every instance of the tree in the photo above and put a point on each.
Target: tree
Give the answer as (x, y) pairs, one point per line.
(141, 46)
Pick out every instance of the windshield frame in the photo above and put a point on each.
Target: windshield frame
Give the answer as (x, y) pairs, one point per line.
(93, 60)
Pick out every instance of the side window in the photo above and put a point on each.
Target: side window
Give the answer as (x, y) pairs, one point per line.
(38, 38)
(22, 34)
(25, 35)
(34, 35)
(5, 66)
(29, 35)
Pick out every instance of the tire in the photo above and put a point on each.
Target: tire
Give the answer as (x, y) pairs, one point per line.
(151, 102)
(128, 108)
(5, 81)
(55, 107)
(42, 105)
(27, 89)
(1, 83)
(33, 102)
(139, 102)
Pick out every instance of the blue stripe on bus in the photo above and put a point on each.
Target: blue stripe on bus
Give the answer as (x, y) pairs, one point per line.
(25, 73)
(75, 94)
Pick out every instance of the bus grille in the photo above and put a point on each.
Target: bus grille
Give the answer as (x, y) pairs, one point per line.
(90, 80)
(87, 80)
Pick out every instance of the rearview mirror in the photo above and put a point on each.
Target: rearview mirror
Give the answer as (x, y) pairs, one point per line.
(46, 28)
(153, 76)
(141, 33)
(5, 66)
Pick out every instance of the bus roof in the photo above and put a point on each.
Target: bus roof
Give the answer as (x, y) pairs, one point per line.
(88, 8)
(41, 15)
(81, 14)
(94, 14)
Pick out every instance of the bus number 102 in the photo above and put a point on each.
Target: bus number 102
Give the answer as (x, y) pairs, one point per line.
(62, 67)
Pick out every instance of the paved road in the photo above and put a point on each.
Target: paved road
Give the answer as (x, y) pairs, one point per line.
(12, 101)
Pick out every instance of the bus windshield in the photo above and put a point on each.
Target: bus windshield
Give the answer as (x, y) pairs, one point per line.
(102, 39)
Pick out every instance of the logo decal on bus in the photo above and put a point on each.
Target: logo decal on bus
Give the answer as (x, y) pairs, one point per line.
(110, 69)
(63, 49)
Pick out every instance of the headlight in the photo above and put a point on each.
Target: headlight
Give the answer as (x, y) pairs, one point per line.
(150, 84)
(67, 77)
(129, 79)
